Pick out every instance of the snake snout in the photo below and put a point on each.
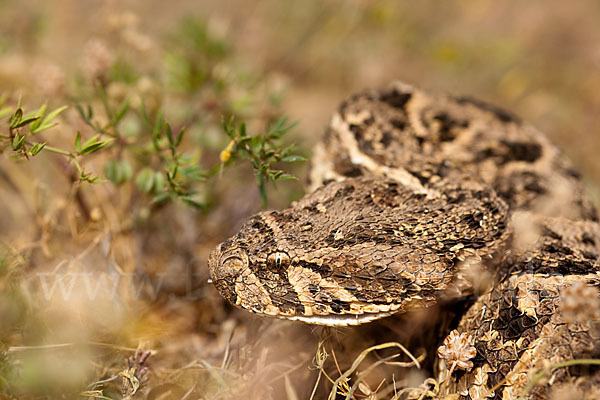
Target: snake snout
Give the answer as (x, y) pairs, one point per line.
(226, 264)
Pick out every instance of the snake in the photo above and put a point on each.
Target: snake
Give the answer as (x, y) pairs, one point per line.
(415, 198)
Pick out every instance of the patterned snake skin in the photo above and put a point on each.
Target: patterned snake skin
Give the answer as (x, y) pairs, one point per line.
(417, 198)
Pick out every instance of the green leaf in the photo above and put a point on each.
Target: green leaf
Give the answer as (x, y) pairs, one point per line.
(24, 122)
(126, 172)
(145, 180)
(39, 112)
(55, 113)
(42, 110)
(42, 127)
(194, 172)
(121, 112)
(16, 117)
(150, 181)
(187, 158)
(228, 126)
(158, 126)
(159, 198)
(256, 143)
(286, 177)
(77, 145)
(291, 159)
(36, 148)
(47, 123)
(280, 128)
(169, 134)
(35, 125)
(83, 177)
(273, 175)
(111, 171)
(93, 145)
(85, 115)
(159, 182)
(79, 109)
(18, 142)
(192, 202)
(287, 150)
(102, 94)
(179, 137)
(173, 172)
(280, 123)
(118, 171)
(89, 142)
(268, 153)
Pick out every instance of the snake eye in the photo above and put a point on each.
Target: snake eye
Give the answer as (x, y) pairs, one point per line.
(278, 260)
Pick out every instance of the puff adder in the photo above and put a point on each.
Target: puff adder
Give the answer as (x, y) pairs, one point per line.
(414, 197)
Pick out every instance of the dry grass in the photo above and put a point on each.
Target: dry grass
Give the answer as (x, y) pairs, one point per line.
(130, 276)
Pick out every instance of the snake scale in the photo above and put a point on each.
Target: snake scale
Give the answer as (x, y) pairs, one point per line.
(416, 198)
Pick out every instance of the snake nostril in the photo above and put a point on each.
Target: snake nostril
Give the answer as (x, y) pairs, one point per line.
(225, 263)
(232, 263)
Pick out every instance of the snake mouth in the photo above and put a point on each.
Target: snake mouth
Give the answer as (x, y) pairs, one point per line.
(340, 319)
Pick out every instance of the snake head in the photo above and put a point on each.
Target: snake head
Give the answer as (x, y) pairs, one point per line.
(357, 250)
(251, 272)
(227, 264)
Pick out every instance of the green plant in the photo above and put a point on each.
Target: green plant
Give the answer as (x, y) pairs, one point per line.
(164, 169)
(23, 129)
(261, 150)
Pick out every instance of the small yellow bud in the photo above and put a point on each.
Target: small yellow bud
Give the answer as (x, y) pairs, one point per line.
(226, 154)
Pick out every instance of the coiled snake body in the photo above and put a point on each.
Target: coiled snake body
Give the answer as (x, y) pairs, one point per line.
(417, 198)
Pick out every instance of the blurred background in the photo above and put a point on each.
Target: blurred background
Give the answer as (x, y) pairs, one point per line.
(104, 239)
